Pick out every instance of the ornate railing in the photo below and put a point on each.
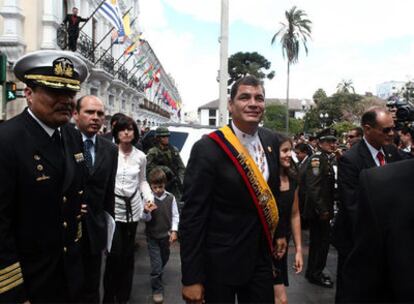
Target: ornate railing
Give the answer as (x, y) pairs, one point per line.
(85, 47)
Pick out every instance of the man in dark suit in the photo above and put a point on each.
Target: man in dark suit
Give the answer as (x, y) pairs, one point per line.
(42, 174)
(379, 268)
(72, 22)
(224, 250)
(378, 135)
(101, 158)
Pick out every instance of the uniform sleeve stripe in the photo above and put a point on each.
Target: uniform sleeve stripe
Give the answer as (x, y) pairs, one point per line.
(12, 285)
(9, 274)
(5, 283)
(9, 268)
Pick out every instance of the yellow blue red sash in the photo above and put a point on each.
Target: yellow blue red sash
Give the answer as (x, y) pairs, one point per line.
(259, 190)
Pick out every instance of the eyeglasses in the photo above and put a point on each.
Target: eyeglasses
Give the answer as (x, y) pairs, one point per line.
(387, 130)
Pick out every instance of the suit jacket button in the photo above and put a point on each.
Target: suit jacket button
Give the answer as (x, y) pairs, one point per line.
(65, 249)
(65, 224)
(65, 199)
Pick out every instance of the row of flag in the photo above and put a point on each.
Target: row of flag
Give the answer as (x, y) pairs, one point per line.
(123, 34)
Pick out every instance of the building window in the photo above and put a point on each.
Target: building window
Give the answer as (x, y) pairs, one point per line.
(111, 101)
(123, 103)
(212, 117)
(94, 91)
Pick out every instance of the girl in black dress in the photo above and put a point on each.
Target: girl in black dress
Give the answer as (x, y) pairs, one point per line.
(288, 203)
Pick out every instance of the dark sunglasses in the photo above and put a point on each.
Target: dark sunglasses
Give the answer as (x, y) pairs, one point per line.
(387, 130)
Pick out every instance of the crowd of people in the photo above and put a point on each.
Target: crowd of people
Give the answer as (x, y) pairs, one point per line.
(71, 200)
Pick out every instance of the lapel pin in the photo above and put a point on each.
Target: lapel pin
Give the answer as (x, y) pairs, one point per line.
(39, 168)
(78, 157)
(269, 148)
(36, 157)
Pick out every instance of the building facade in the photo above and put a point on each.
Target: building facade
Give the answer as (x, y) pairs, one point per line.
(135, 84)
(208, 114)
(387, 89)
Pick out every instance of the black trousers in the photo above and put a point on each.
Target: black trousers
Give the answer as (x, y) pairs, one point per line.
(92, 271)
(119, 271)
(319, 232)
(259, 289)
(73, 41)
(342, 256)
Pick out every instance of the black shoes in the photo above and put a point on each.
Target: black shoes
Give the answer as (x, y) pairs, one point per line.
(321, 280)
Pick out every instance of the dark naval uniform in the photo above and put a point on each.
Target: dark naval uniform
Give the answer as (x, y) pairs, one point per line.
(170, 162)
(320, 188)
(41, 192)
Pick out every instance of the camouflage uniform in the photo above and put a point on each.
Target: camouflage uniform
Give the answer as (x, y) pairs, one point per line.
(168, 158)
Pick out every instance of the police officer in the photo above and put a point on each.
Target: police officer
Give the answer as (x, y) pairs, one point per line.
(42, 174)
(168, 157)
(320, 188)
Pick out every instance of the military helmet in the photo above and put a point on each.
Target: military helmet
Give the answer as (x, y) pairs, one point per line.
(162, 131)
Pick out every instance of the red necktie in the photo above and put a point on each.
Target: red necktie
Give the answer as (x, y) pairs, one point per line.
(381, 158)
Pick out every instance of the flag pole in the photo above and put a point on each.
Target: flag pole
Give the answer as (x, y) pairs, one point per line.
(106, 35)
(122, 65)
(89, 18)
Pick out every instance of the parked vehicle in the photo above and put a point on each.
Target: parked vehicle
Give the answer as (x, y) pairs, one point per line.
(183, 137)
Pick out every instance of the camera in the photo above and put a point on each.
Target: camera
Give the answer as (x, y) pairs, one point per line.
(404, 110)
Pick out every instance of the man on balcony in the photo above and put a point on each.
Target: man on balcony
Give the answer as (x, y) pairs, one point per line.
(72, 23)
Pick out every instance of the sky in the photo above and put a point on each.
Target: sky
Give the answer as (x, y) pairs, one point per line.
(366, 41)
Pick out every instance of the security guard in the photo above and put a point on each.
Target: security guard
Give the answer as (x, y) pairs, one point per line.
(320, 188)
(42, 172)
(168, 157)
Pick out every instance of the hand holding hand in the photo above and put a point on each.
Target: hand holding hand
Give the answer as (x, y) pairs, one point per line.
(280, 249)
(150, 206)
(173, 236)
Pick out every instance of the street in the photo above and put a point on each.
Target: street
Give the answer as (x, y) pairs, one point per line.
(299, 291)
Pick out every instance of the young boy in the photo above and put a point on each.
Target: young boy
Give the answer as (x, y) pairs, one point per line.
(161, 219)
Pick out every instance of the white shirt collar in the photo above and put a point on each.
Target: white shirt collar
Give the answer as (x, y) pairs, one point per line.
(244, 137)
(163, 196)
(47, 129)
(373, 151)
(93, 138)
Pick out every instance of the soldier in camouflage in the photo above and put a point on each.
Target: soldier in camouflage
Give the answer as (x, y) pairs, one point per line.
(320, 196)
(168, 158)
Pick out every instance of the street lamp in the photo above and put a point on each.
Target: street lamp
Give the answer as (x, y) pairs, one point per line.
(324, 119)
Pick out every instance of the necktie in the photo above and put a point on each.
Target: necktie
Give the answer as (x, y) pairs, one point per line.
(88, 144)
(57, 141)
(381, 158)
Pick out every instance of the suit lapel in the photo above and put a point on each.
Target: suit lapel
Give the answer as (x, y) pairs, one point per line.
(266, 142)
(69, 158)
(41, 140)
(366, 155)
(99, 154)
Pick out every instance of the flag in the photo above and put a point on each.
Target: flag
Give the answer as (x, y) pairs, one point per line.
(149, 84)
(127, 25)
(131, 49)
(110, 10)
(157, 75)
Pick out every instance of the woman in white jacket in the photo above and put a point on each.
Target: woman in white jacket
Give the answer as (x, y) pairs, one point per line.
(131, 192)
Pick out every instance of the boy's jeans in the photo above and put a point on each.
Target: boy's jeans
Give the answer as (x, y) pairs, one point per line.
(159, 253)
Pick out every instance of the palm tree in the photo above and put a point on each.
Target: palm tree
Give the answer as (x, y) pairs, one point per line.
(297, 29)
(345, 86)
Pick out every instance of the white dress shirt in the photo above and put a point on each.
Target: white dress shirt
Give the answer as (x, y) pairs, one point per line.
(175, 216)
(374, 153)
(254, 147)
(131, 176)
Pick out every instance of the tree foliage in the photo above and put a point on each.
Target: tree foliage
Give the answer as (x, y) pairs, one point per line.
(318, 96)
(275, 117)
(345, 87)
(295, 31)
(245, 63)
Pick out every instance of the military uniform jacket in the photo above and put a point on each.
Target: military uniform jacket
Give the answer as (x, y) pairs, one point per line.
(40, 212)
(320, 185)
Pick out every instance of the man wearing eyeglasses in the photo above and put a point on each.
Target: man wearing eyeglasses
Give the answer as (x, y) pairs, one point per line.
(374, 150)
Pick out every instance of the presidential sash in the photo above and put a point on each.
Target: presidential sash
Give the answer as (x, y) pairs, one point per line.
(257, 186)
